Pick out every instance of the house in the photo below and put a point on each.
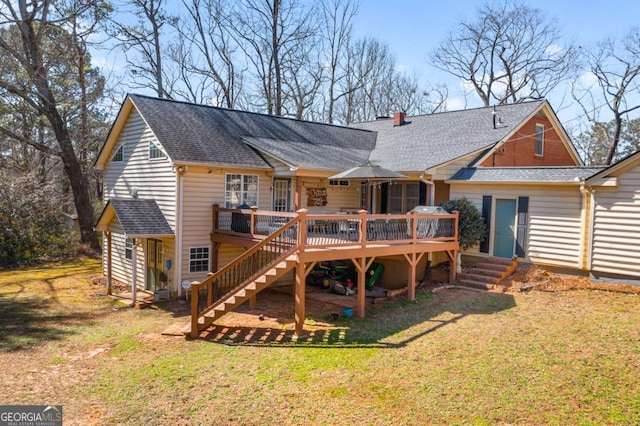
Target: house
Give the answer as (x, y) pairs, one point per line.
(174, 171)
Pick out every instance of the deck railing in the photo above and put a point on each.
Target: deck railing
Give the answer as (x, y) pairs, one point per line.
(339, 229)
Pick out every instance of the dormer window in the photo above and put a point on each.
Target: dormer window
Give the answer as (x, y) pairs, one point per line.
(118, 157)
(539, 149)
(155, 153)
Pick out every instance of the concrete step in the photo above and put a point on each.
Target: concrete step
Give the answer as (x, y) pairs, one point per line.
(476, 284)
(474, 276)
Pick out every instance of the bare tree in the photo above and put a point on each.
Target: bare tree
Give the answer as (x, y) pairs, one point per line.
(336, 27)
(269, 32)
(510, 53)
(144, 38)
(40, 71)
(617, 69)
(207, 51)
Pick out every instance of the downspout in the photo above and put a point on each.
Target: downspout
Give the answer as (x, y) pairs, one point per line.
(178, 249)
(588, 212)
(592, 215)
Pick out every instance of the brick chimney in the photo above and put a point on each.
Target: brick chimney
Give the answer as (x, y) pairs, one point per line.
(398, 118)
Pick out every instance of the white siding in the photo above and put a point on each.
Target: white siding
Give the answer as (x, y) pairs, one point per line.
(201, 191)
(337, 197)
(153, 179)
(554, 230)
(616, 229)
(121, 267)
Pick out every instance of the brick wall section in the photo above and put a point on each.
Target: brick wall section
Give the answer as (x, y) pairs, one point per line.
(519, 150)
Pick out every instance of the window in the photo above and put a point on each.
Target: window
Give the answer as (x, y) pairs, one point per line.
(240, 189)
(335, 182)
(403, 196)
(199, 259)
(128, 249)
(119, 155)
(539, 139)
(155, 152)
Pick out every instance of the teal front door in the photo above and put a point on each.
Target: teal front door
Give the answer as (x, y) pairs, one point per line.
(505, 228)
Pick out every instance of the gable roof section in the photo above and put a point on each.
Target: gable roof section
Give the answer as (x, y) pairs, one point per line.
(427, 141)
(523, 175)
(608, 170)
(200, 134)
(138, 217)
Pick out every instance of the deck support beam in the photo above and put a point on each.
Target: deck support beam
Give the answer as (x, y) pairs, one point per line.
(362, 264)
(413, 259)
(300, 300)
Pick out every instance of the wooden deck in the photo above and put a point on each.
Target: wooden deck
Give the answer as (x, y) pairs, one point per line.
(279, 242)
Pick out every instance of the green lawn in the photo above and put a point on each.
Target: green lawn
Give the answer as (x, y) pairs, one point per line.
(453, 357)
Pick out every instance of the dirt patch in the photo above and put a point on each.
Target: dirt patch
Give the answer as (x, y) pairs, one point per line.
(538, 279)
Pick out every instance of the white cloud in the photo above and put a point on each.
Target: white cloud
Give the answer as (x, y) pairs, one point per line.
(553, 50)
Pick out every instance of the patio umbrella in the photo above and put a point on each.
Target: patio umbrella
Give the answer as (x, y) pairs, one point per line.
(370, 173)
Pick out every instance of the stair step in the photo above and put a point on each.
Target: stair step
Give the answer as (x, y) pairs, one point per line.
(476, 284)
(487, 272)
(479, 278)
(492, 266)
(499, 261)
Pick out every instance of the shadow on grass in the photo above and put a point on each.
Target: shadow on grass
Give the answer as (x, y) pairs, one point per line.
(395, 324)
(27, 322)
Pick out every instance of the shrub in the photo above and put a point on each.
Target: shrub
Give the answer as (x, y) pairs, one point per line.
(471, 227)
(32, 222)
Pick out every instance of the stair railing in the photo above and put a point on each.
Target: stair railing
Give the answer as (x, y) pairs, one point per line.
(244, 269)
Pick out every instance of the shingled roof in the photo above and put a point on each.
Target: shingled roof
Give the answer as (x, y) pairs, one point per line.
(193, 133)
(426, 141)
(524, 175)
(138, 217)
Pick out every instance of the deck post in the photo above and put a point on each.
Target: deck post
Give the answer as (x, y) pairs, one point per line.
(254, 221)
(363, 227)
(362, 281)
(194, 310)
(214, 224)
(302, 229)
(300, 300)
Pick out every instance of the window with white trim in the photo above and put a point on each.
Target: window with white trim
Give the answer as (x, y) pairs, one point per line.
(240, 189)
(128, 249)
(155, 153)
(118, 157)
(199, 259)
(539, 149)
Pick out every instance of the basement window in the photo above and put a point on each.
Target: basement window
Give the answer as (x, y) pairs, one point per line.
(198, 259)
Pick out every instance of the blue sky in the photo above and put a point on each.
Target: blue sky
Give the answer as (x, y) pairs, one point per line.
(412, 28)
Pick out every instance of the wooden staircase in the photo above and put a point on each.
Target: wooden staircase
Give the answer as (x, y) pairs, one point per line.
(243, 293)
(487, 274)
